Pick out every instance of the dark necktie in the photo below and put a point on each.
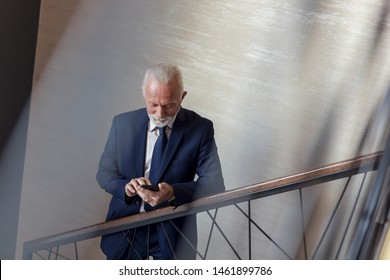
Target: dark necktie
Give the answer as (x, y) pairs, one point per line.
(158, 153)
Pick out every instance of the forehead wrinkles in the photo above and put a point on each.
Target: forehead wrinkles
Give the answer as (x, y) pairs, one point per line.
(162, 93)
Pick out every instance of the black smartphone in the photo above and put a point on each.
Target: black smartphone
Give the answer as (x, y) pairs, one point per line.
(151, 187)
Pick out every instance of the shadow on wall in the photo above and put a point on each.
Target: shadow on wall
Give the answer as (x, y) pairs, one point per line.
(374, 135)
(18, 29)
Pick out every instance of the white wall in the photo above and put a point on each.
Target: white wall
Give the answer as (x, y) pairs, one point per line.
(290, 85)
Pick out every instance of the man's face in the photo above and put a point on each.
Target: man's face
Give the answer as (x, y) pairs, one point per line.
(162, 100)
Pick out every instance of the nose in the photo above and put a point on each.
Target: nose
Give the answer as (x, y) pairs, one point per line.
(160, 112)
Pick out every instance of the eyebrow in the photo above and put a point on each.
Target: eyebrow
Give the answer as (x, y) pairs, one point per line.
(164, 105)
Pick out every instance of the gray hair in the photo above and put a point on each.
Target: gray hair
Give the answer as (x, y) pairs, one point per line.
(164, 73)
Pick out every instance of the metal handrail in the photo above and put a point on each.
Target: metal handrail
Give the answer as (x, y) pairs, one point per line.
(316, 176)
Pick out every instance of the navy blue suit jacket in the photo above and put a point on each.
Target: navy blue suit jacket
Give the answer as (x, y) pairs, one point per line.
(191, 151)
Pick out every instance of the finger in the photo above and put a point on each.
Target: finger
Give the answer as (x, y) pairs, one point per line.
(147, 182)
(142, 181)
(134, 183)
(150, 201)
(143, 193)
(130, 190)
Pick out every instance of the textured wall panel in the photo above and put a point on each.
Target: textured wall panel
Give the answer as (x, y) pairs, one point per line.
(290, 85)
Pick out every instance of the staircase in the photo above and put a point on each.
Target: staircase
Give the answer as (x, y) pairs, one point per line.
(355, 226)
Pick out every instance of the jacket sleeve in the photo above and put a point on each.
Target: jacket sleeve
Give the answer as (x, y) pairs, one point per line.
(209, 178)
(108, 175)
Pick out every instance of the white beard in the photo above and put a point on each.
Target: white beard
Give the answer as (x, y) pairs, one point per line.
(159, 122)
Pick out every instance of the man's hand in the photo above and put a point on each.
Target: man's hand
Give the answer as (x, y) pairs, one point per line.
(153, 198)
(131, 187)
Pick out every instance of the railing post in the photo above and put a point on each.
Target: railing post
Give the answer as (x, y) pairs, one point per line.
(249, 230)
(27, 255)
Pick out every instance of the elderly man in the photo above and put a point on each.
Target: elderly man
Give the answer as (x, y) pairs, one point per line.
(165, 146)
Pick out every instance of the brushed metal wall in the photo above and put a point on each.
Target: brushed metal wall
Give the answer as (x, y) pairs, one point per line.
(289, 85)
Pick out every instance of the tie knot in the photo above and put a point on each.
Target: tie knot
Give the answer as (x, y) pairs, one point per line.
(161, 130)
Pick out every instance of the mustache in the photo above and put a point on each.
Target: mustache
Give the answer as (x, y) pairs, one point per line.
(159, 122)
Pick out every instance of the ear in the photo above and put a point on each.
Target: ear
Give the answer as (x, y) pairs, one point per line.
(183, 95)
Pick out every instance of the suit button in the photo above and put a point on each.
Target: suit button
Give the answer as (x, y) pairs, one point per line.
(137, 202)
